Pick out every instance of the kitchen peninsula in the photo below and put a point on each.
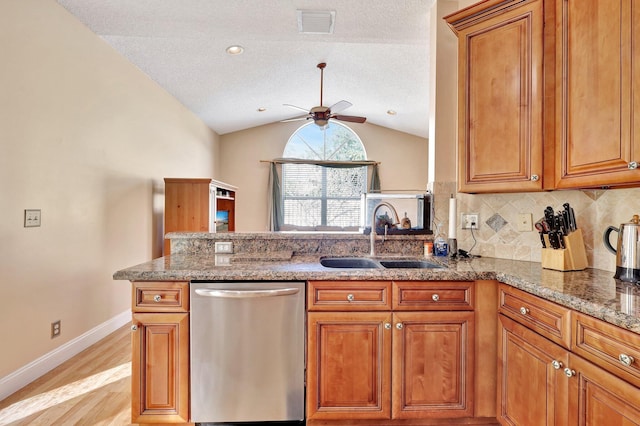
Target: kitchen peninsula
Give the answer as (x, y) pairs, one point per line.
(582, 315)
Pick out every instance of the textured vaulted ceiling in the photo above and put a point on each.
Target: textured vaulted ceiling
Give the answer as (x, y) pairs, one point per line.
(377, 58)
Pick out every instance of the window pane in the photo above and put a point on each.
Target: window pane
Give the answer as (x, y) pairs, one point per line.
(343, 212)
(302, 212)
(313, 195)
(346, 182)
(301, 180)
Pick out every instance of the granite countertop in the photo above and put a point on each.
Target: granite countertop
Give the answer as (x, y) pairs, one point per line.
(592, 291)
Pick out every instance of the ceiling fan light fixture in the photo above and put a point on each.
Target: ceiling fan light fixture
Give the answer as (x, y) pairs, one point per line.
(235, 50)
(316, 21)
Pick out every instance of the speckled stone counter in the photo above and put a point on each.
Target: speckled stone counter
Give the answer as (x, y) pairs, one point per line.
(593, 292)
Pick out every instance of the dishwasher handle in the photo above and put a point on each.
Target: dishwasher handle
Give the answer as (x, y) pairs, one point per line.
(245, 294)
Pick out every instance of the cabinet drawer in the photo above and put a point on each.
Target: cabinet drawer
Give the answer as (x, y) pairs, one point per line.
(349, 296)
(546, 318)
(608, 346)
(160, 296)
(433, 295)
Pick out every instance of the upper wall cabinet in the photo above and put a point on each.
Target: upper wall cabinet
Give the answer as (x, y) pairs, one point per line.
(500, 96)
(598, 100)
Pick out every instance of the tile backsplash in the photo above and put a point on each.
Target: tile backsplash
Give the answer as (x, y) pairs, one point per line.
(498, 235)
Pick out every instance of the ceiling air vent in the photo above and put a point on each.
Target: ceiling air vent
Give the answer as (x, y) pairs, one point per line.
(316, 21)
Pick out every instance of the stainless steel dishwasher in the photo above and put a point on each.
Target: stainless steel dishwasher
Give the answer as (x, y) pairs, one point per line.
(247, 351)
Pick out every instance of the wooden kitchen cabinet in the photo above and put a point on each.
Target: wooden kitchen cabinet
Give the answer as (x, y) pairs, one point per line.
(160, 353)
(198, 205)
(598, 100)
(349, 365)
(432, 364)
(531, 391)
(541, 382)
(600, 398)
(501, 95)
(390, 365)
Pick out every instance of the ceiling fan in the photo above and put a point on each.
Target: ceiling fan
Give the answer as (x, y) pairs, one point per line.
(322, 114)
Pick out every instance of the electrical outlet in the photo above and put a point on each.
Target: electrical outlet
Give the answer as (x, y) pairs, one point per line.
(223, 247)
(525, 222)
(31, 218)
(56, 328)
(470, 220)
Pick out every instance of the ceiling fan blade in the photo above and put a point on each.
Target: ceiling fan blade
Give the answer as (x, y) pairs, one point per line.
(340, 106)
(302, 117)
(297, 107)
(350, 118)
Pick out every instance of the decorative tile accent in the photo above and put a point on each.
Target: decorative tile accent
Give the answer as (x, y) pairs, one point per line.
(496, 222)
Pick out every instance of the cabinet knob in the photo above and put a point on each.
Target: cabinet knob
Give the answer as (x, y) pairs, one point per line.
(351, 297)
(157, 298)
(134, 327)
(633, 165)
(569, 372)
(387, 326)
(399, 326)
(556, 364)
(435, 297)
(535, 178)
(524, 311)
(626, 359)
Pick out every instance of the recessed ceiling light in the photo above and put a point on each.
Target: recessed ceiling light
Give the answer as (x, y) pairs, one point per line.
(391, 112)
(262, 109)
(235, 50)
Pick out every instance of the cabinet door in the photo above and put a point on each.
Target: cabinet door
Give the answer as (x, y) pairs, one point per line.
(349, 365)
(500, 99)
(160, 368)
(531, 391)
(600, 398)
(596, 58)
(433, 358)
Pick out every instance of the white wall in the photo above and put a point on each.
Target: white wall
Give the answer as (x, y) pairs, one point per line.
(403, 165)
(86, 138)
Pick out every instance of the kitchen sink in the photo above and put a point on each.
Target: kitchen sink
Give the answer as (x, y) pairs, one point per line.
(368, 263)
(349, 262)
(421, 264)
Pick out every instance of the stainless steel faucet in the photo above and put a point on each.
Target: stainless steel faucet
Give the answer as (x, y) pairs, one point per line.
(372, 239)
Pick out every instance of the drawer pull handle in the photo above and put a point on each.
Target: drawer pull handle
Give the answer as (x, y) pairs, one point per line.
(134, 327)
(435, 297)
(556, 364)
(535, 178)
(399, 326)
(157, 298)
(626, 359)
(524, 311)
(350, 297)
(569, 372)
(387, 326)
(633, 165)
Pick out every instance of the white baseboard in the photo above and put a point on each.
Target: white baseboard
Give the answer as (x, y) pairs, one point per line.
(27, 374)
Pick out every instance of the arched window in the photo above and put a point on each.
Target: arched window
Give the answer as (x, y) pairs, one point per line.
(323, 197)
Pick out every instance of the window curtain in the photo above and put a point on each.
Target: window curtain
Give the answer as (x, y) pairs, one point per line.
(275, 200)
(275, 208)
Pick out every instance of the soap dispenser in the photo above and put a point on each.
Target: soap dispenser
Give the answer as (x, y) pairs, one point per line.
(440, 246)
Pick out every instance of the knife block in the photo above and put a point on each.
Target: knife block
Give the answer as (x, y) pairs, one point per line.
(571, 258)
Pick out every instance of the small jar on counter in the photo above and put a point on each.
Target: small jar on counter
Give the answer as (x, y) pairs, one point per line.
(428, 248)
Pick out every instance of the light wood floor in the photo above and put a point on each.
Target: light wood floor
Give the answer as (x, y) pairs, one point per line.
(93, 388)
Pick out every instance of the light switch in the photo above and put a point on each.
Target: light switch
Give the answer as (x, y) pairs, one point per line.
(223, 247)
(31, 218)
(525, 223)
